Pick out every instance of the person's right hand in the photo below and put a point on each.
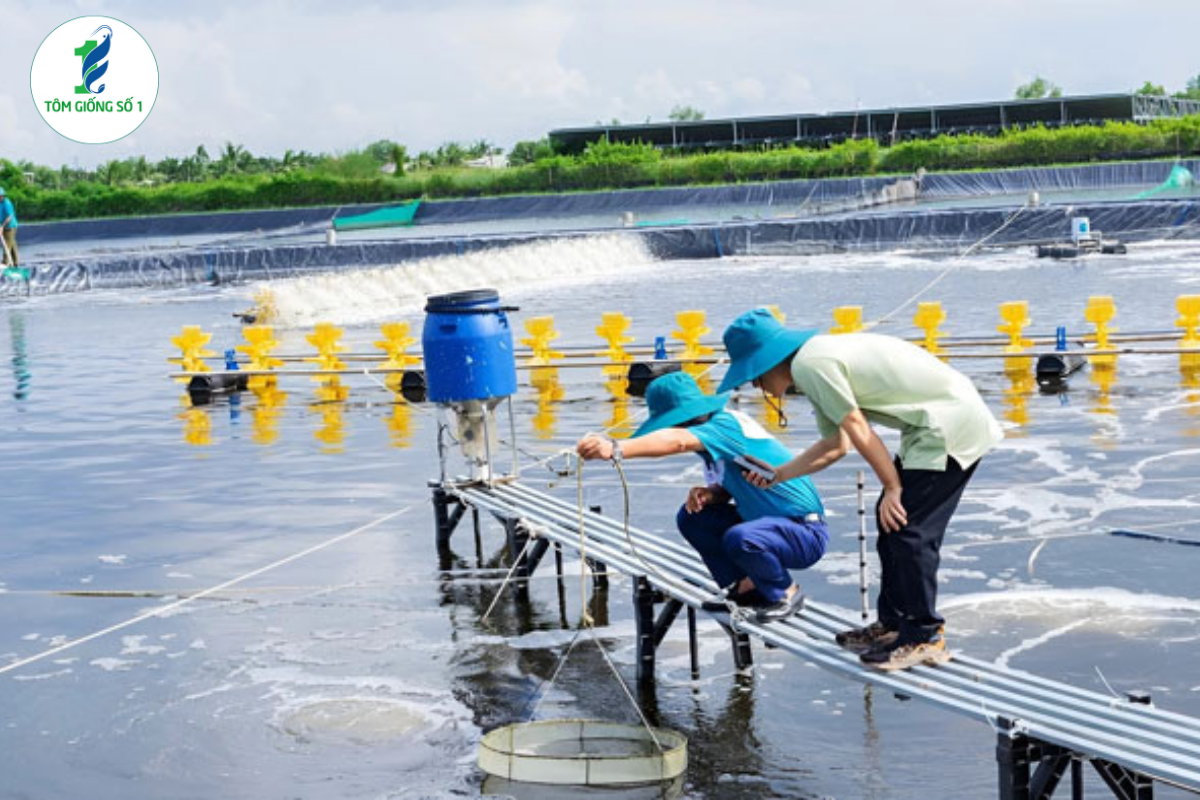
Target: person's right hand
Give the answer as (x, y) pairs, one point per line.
(593, 446)
(698, 497)
(892, 516)
(757, 480)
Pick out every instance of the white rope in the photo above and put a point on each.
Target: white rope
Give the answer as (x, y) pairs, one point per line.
(367, 372)
(516, 563)
(1107, 685)
(554, 675)
(628, 694)
(586, 621)
(158, 612)
(1036, 552)
(957, 260)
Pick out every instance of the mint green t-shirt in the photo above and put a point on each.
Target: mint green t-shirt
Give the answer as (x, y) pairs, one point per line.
(937, 409)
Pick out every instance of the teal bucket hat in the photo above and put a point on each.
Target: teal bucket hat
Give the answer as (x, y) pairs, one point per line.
(756, 342)
(676, 398)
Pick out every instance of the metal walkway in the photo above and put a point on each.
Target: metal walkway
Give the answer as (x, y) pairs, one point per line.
(1043, 727)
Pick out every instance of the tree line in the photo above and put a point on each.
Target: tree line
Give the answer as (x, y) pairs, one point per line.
(1041, 87)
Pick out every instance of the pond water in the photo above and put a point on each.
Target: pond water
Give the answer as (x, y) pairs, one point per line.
(365, 669)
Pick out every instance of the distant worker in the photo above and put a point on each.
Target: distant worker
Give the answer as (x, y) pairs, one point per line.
(8, 229)
(945, 428)
(748, 538)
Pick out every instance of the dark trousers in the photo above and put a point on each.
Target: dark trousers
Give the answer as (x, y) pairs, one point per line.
(762, 550)
(910, 556)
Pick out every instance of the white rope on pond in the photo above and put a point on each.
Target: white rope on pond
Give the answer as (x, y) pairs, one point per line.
(158, 612)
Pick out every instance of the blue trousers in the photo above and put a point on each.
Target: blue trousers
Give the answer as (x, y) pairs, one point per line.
(762, 550)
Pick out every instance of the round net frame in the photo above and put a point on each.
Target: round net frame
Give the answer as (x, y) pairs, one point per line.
(583, 752)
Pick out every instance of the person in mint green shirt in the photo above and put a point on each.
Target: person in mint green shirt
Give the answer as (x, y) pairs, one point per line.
(8, 229)
(748, 538)
(853, 381)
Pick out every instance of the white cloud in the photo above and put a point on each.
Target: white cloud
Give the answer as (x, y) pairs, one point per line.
(795, 90)
(275, 75)
(750, 90)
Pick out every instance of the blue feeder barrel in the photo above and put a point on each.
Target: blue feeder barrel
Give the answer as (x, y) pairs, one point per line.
(468, 347)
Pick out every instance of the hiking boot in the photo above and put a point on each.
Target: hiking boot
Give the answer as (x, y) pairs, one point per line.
(931, 653)
(783, 609)
(860, 640)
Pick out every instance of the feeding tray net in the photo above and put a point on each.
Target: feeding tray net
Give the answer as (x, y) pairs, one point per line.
(583, 752)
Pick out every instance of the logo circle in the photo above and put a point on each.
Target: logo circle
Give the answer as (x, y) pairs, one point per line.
(94, 80)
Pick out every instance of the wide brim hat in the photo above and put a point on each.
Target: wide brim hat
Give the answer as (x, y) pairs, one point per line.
(676, 398)
(756, 342)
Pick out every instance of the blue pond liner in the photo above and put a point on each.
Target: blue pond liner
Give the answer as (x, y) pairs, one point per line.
(938, 229)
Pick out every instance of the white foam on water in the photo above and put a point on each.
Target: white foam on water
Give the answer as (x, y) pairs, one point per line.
(841, 567)
(44, 676)
(1003, 659)
(133, 645)
(1046, 454)
(1041, 510)
(692, 473)
(1105, 601)
(288, 678)
(112, 559)
(1033, 617)
(359, 720)
(369, 295)
(361, 709)
(1005, 260)
(947, 575)
(114, 664)
(215, 690)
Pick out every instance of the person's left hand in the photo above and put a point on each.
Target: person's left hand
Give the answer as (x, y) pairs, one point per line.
(698, 498)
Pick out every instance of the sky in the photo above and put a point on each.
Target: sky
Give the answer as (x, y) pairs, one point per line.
(334, 76)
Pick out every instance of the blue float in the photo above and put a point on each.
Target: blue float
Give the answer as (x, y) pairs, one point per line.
(468, 347)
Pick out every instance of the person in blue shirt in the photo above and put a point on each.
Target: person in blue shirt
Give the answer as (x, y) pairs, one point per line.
(747, 537)
(8, 229)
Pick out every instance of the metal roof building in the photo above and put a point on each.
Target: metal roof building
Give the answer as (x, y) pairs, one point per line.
(886, 125)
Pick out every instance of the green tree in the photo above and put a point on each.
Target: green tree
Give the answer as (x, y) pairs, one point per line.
(1036, 88)
(399, 157)
(230, 161)
(381, 151)
(480, 149)
(527, 152)
(685, 114)
(1152, 88)
(1192, 92)
(450, 154)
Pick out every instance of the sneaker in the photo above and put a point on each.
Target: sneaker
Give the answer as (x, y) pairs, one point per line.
(719, 601)
(887, 659)
(782, 609)
(860, 640)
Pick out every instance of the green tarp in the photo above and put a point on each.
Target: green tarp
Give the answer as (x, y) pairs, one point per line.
(1180, 178)
(390, 217)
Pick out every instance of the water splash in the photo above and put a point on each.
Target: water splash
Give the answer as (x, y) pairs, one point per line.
(373, 294)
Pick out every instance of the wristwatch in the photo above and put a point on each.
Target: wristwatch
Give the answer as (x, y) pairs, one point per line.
(616, 452)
